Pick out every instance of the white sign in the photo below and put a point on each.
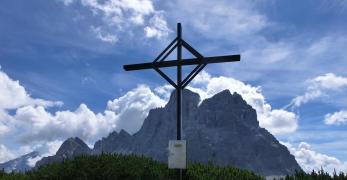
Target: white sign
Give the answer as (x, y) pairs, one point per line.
(177, 154)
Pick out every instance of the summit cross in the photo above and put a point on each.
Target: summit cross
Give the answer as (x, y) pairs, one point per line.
(200, 61)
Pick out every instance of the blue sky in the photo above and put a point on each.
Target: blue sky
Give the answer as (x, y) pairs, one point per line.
(72, 51)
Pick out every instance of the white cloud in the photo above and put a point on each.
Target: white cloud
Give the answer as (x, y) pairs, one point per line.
(33, 123)
(104, 36)
(126, 112)
(329, 81)
(5, 154)
(4, 119)
(13, 95)
(318, 87)
(277, 121)
(82, 122)
(337, 118)
(157, 27)
(133, 107)
(164, 91)
(310, 160)
(125, 15)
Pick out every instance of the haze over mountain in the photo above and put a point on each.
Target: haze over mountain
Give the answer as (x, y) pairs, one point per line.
(19, 164)
(222, 129)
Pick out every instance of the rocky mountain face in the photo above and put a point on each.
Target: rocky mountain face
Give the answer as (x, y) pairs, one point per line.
(222, 129)
(19, 164)
(70, 148)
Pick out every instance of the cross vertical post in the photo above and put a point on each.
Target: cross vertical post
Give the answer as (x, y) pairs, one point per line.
(179, 82)
(179, 88)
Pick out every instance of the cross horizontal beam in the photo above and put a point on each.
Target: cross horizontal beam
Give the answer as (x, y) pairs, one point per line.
(183, 62)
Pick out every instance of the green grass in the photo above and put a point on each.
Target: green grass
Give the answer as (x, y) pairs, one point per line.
(115, 167)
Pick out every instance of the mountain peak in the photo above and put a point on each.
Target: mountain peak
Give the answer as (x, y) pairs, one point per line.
(70, 148)
(124, 133)
(225, 98)
(73, 145)
(188, 97)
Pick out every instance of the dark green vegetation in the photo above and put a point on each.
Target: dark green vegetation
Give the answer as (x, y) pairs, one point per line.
(320, 175)
(113, 167)
(125, 167)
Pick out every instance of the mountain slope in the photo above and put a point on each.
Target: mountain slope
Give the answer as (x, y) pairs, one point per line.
(19, 164)
(70, 148)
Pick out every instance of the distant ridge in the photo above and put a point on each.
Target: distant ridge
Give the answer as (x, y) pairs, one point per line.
(19, 164)
(70, 148)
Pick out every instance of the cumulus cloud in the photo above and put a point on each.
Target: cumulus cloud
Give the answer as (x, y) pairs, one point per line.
(82, 122)
(32, 125)
(133, 107)
(310, 160)
(318, 87)
(126, 112)
(5, 154)
(4, 118)
(164, 91)
(125, 15)
(157, 27)
(13, 95)
(277, 121)
(336, 118)
(329, 81)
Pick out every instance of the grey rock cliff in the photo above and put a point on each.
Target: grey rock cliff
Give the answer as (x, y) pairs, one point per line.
(70, 148)
(114, 143)
(223, 129)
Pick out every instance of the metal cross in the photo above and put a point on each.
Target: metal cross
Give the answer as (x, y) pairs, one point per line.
(200, 61)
